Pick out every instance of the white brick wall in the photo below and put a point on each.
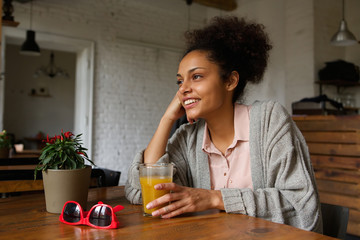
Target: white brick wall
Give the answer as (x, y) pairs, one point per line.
(134, 83)
(131, 102)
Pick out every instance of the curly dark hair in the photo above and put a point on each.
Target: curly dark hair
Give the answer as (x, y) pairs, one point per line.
(234, 44)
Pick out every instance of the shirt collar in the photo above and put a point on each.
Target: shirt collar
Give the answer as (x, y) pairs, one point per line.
(241, 128)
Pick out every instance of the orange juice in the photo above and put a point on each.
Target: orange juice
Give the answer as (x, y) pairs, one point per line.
(148, 191)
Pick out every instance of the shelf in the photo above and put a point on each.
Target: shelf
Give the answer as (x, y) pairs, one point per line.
(40, 95)
(339, 83)
(10, 23)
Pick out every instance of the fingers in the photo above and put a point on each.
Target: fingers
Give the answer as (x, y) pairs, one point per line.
(175, 213)
(175, 109)
(168, 186)
(172, 210)
(170, 197)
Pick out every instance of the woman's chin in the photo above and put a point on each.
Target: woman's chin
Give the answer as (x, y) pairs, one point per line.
(191, 115)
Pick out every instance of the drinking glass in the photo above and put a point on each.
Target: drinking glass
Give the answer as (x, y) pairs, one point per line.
(150, 175)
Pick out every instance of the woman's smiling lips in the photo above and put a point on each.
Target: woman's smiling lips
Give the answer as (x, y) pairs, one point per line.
(190, 102)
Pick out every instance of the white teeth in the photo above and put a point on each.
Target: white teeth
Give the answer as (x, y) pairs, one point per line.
(189, 101)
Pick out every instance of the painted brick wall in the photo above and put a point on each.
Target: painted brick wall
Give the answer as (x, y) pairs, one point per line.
(131, 102)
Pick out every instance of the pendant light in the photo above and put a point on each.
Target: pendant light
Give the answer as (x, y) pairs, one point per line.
(343, 37)
(51, 70)
(30, 47)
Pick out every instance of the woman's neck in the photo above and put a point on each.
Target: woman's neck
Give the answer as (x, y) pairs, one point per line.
(221, 128)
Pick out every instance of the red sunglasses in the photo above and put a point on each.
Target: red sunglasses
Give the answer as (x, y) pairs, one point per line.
(100, 215)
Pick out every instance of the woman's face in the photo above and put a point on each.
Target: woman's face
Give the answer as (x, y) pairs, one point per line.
(201, 90)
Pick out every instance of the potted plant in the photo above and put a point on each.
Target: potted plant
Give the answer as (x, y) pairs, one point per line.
(5, 144)
(65, 173)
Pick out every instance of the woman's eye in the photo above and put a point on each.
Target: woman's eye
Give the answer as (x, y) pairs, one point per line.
(179, 82)
(196, 77)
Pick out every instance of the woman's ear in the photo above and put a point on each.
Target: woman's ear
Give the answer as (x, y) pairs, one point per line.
(233, 81)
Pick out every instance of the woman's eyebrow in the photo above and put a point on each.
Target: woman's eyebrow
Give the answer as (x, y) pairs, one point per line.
(191, 70)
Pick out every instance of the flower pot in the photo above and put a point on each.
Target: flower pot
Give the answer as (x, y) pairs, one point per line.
(61, 186)
(4, 152)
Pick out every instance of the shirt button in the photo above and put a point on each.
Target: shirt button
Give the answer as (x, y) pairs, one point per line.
(225, 174)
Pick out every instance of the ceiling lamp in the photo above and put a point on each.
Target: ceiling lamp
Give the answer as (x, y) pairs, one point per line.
(343, 37)
(30, 47)
(51, 70)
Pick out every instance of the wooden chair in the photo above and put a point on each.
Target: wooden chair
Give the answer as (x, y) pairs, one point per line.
(335, 220)
(334, 146)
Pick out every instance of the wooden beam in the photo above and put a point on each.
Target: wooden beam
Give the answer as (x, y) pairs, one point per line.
(227, 5)
(341, 188)
(338, 175)
(335, 199)
(338, 124)
(351, 137)
(334, 149)
(340, 162)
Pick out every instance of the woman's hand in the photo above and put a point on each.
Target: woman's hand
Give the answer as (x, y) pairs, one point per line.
(185, 199)
(175, 109)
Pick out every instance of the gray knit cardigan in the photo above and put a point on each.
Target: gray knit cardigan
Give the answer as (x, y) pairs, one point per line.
(284, 189)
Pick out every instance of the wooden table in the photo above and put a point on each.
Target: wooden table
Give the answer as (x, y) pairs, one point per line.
(25, 217)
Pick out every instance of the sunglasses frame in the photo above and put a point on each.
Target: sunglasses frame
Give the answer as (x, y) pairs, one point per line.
(84, 215)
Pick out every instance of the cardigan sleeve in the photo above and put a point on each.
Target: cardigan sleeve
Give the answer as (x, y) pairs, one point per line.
(132, 186)
(283, 178)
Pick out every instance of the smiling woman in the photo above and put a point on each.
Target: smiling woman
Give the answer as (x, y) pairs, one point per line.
(242, 159)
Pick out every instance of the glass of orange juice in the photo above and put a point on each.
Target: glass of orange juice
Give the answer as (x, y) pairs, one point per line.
(150, 175)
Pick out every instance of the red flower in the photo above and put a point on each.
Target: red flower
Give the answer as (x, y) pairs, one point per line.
(48, 140)
(68, 134)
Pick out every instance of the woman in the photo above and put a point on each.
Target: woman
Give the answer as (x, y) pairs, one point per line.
(242, 159)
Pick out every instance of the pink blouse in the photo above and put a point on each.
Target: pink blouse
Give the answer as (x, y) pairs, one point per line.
(231, 170)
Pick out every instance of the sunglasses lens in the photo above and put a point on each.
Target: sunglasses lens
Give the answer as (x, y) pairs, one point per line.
(100, 216)
(71, 213)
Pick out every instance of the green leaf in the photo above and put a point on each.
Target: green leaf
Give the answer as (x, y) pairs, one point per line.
(73, 164)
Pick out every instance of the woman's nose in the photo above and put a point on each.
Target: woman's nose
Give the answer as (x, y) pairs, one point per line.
(185, 87)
